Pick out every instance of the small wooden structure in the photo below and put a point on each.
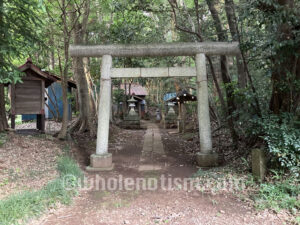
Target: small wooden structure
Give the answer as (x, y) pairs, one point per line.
(28, 96)
(180, 99)
(54, 102)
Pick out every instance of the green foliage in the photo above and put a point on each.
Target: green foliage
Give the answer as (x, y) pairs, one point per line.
(272, 41)
(283, 140)
(19, 23)
(67, 166)
(28, 204)
(118, 95)
(279, 194)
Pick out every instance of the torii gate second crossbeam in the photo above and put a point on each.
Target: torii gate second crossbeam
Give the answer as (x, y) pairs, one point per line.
(102, 160)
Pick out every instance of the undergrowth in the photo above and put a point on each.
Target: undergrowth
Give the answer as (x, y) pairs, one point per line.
(28, 204)
(279, 193)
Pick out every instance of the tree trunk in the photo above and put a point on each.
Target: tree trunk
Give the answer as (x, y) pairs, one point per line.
(65, 119)
(3, 119)
(51, 53)
(86, 66)
(81, 74)
(64, 74)
(224, 70)
(232, 22)
(286, 68)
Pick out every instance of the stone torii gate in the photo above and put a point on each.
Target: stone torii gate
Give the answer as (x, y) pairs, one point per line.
(102, 160)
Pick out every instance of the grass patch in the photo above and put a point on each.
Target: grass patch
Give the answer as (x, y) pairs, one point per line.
(278, 195)
(18, 120)
(279, 192)
(28, 204)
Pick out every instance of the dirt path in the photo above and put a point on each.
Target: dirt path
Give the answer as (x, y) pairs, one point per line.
(140, 154)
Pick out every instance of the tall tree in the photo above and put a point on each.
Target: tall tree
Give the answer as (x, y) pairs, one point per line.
(222, 36)
(87, 111)
(278, 47)
(60, 14)
(232, 23)
(3, 120)
(19, 26)
(286, 60)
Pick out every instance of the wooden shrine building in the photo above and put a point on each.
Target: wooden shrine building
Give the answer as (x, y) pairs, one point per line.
(180, 99)
(28, 97)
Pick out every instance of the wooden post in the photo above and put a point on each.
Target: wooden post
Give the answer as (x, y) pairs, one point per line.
(179, 128)
(40, 118)
(183, 109)
(13, 121)
(140, 109)
(13, 105)
(40, 122)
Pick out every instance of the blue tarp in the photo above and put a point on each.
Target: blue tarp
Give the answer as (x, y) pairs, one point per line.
(56, 87)
(169, 96)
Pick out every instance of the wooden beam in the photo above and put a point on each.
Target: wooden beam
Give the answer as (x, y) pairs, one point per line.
(153, 72)
(153, 50)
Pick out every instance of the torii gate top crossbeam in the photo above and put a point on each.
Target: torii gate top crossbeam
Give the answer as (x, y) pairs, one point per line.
(153, 50)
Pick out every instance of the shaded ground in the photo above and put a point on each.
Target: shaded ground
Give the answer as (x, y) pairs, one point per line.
(51, 126)
(175, 206)
(27, 162)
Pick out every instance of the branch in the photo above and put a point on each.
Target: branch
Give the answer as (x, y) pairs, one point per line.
(173, 5)
(197, 15)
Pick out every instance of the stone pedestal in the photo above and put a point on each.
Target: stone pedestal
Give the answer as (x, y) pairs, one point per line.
(100, 163)
(170, 121)
(131, 122)
(258, 164)
(207, 159)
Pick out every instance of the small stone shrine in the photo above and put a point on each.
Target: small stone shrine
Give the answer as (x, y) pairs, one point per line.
(132, 120)
(171, 117)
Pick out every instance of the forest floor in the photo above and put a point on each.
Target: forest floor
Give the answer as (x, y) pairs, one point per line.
(155, 204)
(27, 162)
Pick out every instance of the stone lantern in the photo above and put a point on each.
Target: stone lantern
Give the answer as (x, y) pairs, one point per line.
(171, 110)
(132, 120)
(131, 105)
(171, 117)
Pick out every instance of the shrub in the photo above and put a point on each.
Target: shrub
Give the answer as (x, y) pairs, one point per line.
(283, 140)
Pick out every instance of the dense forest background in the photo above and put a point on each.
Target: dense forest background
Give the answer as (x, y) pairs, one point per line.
(254, 96)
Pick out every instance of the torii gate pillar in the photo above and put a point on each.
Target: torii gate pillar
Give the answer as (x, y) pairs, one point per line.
(206, 157)
(102, 160)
